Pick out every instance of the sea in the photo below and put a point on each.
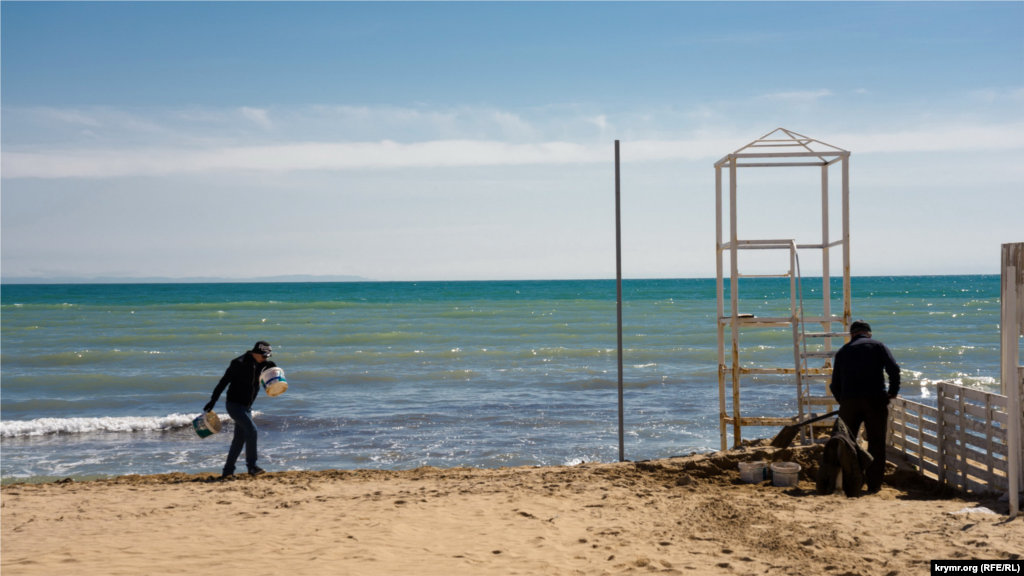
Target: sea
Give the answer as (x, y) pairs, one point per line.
(103, 380)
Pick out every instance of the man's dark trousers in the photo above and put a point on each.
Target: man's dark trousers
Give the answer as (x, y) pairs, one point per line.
(245, 433)
(874, 414)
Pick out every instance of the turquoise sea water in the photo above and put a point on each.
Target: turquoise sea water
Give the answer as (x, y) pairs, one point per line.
(104, 379)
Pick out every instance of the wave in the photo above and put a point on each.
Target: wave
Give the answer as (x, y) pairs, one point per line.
(45, 426)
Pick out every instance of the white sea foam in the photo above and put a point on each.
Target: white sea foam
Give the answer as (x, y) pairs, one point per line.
(43, 426)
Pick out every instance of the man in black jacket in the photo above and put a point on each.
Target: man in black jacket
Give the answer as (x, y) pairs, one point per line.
(243, 377)
(858, 384)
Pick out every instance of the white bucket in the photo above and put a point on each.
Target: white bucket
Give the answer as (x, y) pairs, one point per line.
(754, 472)
(273, 381)
(785, 474)
(206, 424)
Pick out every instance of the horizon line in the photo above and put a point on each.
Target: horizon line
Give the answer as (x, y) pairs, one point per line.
(72, 281)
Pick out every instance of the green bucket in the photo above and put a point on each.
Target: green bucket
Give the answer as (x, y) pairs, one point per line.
(206, 424)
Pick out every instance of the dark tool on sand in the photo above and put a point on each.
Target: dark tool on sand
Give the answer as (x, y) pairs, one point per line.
(788, 433)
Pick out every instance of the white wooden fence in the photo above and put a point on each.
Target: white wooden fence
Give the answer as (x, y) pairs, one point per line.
(974, 440)
(962, 442)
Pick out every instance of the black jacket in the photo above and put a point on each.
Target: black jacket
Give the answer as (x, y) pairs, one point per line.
(243, 376)
(859, 367)
(842, 454)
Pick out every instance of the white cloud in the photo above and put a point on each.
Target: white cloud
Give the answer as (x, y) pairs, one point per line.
(69, 116)
(109, 143)
(941, 138)
(601, 121)
(257, 115)
(297, 156)
(334, 156)
(991, 96)
(798, 96)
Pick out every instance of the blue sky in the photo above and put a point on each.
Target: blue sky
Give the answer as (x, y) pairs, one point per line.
(473, 141)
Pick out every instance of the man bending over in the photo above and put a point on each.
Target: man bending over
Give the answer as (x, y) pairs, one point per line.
(858, 383)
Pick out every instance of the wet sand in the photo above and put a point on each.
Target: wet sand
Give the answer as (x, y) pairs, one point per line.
(684, 515)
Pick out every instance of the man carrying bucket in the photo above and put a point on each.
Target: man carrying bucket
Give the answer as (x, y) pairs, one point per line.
(242, 379)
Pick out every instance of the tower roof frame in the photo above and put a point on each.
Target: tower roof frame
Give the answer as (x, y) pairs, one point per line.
(784, 143)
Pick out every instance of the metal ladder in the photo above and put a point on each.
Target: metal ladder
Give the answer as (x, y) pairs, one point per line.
(805, 399)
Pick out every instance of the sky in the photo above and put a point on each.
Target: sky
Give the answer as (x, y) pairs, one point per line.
(474, 141)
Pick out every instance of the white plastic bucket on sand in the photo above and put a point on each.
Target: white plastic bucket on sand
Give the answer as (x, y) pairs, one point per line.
(785, 474)
(273, 382)
(206, 424)
(754, 472)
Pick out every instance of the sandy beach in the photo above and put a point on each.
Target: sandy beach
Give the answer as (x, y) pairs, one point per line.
(683, 515)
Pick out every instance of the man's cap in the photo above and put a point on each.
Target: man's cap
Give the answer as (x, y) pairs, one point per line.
(859, 326)
(262, 348)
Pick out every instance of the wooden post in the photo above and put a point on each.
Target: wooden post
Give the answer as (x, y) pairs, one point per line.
(734, 295)
(962, 437)
(618, 294)
(1015, 496)
(1012, 306)
(989, 462)
(889, 436)
(920, 439)
(940, 423)
(1012, 327)
(795, 320)
(721, 308)
(826, 280)
(1020, 420)
(903, 424)
(847, 294)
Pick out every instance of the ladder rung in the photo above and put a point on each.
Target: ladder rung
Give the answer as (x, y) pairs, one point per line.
(826, 334)
(819, 400)
(829, 354)
(781, 319)
(815, 375)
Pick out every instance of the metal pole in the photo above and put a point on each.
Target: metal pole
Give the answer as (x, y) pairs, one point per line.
(619, 303)
(618, 293)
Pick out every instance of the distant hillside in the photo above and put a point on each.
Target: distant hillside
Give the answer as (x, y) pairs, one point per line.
(163, 280)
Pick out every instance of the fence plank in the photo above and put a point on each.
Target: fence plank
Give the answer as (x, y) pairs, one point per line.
(903, 422)
(921, 433)
(928, 436)
(997, 399)
(953, 407)
(976, 460)
(916, 407)
(941, 400)
(991, 477)
(979, 440)
(962, 435)
(982, 414)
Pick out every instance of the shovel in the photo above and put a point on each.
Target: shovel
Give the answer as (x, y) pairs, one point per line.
(788, 433)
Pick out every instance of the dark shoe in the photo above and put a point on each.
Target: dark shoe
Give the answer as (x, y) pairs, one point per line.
(871, 491)
(226, 476)
(256, 471)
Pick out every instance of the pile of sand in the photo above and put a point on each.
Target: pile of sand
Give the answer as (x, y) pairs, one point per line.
(688, 515)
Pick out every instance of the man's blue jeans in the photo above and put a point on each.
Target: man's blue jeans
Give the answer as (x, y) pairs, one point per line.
(245, 433)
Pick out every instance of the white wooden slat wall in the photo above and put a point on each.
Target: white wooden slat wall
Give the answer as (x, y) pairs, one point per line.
(962, 442)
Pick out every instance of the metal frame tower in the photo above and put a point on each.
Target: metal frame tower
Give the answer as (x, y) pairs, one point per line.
(777, 149)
